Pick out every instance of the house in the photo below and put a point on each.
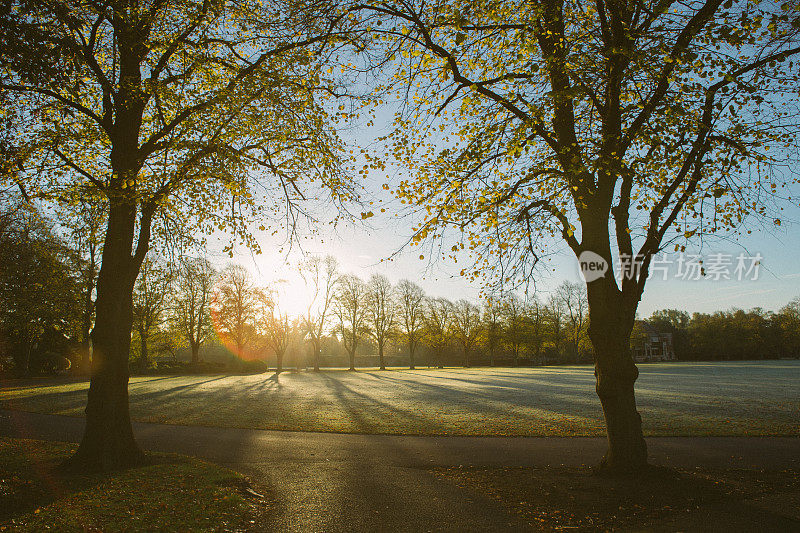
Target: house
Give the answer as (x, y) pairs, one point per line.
(650, 345)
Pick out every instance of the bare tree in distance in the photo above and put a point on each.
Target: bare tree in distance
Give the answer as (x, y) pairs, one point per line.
(320, 276)
(411, 308)
(381, 312)
(555, 313)
(513, 316)
(467, 327)
(493, 326)
(194, 282)
(574, 300)
(535, 317)
(150, 294)
(438, 327)
(274, 326)
(350, 306)
(233, 308)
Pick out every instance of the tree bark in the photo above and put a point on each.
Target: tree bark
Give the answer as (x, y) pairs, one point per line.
(278, 363)
(380, 355)
(615, 372)
(317, 350)
(352, 355)
(108, 441)
(411, 350)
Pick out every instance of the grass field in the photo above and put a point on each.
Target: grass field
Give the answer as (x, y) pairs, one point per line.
(732, 398)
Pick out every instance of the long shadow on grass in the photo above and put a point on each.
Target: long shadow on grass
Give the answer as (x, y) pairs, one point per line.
(520, 382)
(136, 381)
(487, 394)
(225, 405)
(145, 401)
(390, 410)
(177, 388)
(477, 403)
(68, 400)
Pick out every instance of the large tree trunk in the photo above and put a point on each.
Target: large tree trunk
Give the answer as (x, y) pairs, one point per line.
(108, 441)
(411, 350)
(609, 330)
(380, 355)
(278, 363)
(352, 355)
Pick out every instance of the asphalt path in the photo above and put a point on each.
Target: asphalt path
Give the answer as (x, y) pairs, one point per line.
(354, 482)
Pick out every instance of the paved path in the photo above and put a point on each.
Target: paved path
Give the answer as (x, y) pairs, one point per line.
(345, 482)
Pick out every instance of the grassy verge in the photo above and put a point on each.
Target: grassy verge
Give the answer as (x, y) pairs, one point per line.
(171, 493)
(702, 500)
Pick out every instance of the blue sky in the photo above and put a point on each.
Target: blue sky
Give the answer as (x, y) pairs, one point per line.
(364, 249)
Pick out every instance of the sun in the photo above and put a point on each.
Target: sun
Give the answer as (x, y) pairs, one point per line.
(294, 296)
(292, 293)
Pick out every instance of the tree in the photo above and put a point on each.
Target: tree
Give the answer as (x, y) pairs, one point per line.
(788, 321)
(149, 303)
(207, 113)
(411, 308)
(194, 281)
(493, 326)
(438, 327)
(466, 327)
(275, 326)
(573, 299)
(530, 122)
(233, 309)
(351, 310)
(381, 312)
(555, 311)
(84, 224)
(39, 294)
(534, 313)
(321, 275)
(513, 317)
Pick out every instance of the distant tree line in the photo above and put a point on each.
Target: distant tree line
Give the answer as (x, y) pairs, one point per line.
(732, 335)
(190, 316)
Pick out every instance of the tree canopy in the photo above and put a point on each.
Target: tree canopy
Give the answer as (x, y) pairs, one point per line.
(616, 129)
